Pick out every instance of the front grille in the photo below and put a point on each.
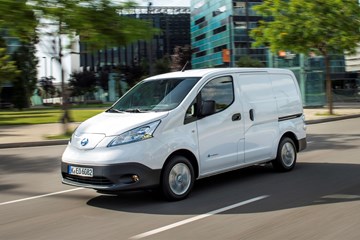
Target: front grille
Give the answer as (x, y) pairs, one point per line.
(100, 181)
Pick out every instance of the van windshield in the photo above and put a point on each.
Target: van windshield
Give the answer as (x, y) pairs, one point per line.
(155, 95)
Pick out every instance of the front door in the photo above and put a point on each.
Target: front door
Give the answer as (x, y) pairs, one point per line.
(221, 134)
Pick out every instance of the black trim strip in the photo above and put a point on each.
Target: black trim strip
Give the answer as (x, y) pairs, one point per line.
(290, 117)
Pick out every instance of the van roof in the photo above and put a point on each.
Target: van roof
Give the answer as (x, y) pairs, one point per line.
(210, 71)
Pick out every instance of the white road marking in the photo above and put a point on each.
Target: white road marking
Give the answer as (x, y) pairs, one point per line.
(40, 196)
(189, 220)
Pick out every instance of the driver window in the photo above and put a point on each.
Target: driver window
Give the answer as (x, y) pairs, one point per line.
(220, 90)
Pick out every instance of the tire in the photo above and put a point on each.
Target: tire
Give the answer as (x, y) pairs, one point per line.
(177, 179)
(286, 155)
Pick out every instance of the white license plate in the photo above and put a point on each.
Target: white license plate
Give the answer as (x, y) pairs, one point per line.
(80, 171)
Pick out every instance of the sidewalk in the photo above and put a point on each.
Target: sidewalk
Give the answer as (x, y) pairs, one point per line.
(35, 135)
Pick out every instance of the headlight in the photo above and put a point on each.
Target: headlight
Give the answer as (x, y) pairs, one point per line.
(135, 135)
(72, 135)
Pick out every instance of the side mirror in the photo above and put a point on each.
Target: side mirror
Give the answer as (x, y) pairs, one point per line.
(207, 108)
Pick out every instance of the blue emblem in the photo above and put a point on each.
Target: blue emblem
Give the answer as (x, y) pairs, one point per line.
(84, 142)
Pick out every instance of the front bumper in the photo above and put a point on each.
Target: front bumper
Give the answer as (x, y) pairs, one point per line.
(113, 177)
(302, 144)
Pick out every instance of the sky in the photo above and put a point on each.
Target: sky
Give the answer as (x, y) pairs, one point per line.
(165, 3)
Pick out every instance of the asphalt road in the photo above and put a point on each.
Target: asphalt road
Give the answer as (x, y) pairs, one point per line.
(319, 199)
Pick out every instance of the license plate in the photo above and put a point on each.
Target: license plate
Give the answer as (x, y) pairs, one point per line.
(80, 171)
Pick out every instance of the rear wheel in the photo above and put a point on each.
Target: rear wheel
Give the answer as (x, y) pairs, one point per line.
(177, 178)
(286, 155)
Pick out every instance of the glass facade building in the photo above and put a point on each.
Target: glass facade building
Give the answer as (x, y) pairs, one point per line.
(174, 25)
(221, 27)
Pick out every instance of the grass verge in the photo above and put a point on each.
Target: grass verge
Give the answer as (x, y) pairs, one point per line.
(41, 116)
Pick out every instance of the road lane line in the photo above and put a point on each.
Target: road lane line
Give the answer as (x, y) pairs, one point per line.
(189, 220)
(40, 196)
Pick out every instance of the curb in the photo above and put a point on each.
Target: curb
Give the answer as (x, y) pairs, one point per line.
(65, 141)
(34, 144)
(331, 119)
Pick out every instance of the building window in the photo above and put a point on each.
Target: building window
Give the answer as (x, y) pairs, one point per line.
(240, 25)
(219, 48)
(219, 30)
(200, 37)
(200, 54)
(239, 4)
(200, 20)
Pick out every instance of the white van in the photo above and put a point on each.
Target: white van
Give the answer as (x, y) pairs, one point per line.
(172, 129)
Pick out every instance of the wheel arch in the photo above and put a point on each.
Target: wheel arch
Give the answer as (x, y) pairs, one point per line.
(293, 137)
(189, 155)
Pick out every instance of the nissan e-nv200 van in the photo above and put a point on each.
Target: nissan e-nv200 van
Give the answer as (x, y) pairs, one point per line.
(174, 128)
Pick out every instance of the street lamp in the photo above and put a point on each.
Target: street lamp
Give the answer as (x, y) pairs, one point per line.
(231, 47)
(51, 67)
(150, 41)
(45, 60)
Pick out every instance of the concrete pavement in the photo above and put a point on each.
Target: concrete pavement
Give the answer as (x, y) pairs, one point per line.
(36, 135)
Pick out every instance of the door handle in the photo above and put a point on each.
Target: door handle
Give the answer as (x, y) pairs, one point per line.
(251, 113)
(236, 117)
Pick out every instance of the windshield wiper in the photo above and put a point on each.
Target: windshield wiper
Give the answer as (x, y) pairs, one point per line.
(114, 110)
(135, 110)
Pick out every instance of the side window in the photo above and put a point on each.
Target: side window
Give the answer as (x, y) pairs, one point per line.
(220, 90)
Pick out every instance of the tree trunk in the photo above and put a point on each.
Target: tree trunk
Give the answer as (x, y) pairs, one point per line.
(65, 119)
(329, 96)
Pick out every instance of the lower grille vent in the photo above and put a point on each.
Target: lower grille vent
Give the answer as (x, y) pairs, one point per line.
(101, 181)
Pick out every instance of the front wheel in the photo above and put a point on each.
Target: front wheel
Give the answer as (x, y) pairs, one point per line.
(286, 155)
(177, 178)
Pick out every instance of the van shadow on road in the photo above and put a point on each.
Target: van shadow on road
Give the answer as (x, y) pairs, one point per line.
(308, 184)
(332, 141)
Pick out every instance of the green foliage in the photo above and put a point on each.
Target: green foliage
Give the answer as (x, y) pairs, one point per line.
(25, 82)
(319, 26)
(98, 23)
(41, 116)
(103, 79)
(181, 58)
(247, 61)
(48, 89)
(8, 69)
(162, 65)
(19, 19)
(133, 74)
(323, 26)
(83, 83)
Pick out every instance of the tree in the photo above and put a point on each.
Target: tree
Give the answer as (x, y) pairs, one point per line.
(103, 79)
(162, 65)
(8, 69)
(83, 83)
(48, 88)
(181, 58)
(97, 23)
(19, 19)
(133, 74)
(25, 82)
(321, 26)
(247, 61)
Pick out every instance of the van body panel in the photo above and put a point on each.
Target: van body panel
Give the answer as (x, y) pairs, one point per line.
(287, 95)
(219, 146)
(119, 122)
(261, 117)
